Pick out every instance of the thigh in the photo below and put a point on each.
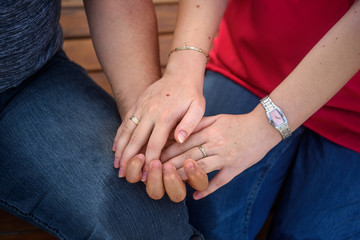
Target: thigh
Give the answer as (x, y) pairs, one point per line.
(321, 196)
(239, 209)
(56, 133)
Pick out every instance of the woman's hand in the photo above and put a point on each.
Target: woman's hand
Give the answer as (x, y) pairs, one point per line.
(232, 143)
(165, 178)
(166, 103)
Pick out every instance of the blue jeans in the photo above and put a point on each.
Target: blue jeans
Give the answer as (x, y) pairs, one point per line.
(56, 132)
(316, 183)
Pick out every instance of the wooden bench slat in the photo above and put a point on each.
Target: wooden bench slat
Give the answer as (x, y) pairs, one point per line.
(74, 23)
(82, 52)
(101, 80)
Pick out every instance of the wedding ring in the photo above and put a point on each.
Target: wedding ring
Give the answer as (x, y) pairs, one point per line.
(202, 151)
(135, 120)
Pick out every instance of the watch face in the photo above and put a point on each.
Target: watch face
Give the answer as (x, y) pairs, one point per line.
(276, 118)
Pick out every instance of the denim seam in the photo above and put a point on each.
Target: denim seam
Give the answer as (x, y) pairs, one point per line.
(256, 188)
(34, 218)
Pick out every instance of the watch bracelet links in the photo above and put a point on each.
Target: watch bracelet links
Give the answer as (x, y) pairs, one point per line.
(269, 106)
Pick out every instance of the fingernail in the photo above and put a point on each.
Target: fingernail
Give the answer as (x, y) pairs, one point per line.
(190, 165)
(197, 195)
(116, 162)
(182, 136)
(144, 176)
(121, 172)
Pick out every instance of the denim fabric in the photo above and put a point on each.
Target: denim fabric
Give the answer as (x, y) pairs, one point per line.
(322, 183)
(56, 132)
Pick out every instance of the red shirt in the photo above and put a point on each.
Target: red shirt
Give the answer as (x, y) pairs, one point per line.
(261, 41)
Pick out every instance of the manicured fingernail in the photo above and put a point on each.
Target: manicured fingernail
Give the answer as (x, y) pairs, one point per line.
(182, 136)
(144, 176)
(116, 162)
(197, 195)
(190, 165)
(121, 172)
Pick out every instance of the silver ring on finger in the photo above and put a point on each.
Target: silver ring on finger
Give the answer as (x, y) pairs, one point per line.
(201, 148)
(135, 120)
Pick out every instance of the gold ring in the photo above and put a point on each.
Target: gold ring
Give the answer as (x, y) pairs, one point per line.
(135, 120)
(202, 151)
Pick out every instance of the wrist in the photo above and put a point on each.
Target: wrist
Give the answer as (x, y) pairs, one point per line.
(276, 117)
(268, 135)
(186, 63)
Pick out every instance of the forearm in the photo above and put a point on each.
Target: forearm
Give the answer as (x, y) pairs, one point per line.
(125, 38)
(197, 23)
(322, 73)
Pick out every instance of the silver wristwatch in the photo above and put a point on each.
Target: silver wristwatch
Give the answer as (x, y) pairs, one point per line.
(276, 117)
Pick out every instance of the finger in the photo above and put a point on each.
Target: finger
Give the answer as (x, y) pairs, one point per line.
(116, 139)
(190, 120)
(136, 142)
(174, 186)
(156, 143)
(204, 123)
(126, 130)
(154, 185)
(193, 153)
(176, 149)
(207, 164)
(198, 179)
(133, 169)
(220, 179)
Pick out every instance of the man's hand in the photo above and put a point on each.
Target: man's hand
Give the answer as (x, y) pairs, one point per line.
(165, 178)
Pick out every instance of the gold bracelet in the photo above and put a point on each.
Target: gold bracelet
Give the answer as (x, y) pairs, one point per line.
(191, 48)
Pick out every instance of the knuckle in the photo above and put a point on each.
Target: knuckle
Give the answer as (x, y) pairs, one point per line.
(202, 164)
(126, 129)
(188, 155)
(152, 151)
(165, 117)
(153, 107)
(170, 177)
(134, 139)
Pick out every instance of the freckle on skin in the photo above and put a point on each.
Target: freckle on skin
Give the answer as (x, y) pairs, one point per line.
(209, 38)
(355, 11)
(167, 94)
(197, 6)
(323, 45)
(336, 38)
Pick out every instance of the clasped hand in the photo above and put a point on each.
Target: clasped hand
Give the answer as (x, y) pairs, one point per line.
(231, 142)
(163, 110)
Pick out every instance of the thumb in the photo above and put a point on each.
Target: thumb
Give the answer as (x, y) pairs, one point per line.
(190, 120)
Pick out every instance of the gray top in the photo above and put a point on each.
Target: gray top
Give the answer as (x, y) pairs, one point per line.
(30, 34)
